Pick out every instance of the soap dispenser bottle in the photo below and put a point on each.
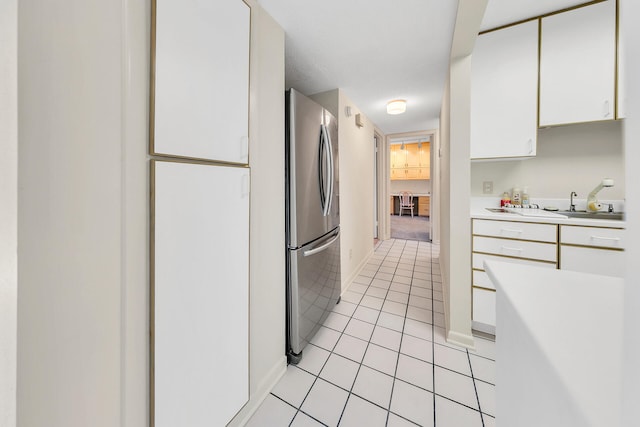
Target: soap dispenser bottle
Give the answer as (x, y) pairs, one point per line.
(516, 197)
(525, 198)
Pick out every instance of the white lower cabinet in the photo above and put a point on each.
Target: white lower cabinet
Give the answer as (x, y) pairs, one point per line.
(593, 250)
(506, 241)
(484, 310)
(588, 249)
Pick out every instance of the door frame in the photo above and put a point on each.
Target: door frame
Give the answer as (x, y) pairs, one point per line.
(384, 182)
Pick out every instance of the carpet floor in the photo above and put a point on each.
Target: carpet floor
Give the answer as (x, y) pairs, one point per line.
(408, 228)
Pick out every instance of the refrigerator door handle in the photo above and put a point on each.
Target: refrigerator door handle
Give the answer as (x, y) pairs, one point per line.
(322, 247)
(321, 166)
(331, 166)
(325, 187)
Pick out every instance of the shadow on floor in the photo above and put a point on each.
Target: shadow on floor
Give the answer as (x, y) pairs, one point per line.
(406, 227)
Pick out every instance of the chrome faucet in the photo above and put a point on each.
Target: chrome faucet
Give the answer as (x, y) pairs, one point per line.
(572, 207)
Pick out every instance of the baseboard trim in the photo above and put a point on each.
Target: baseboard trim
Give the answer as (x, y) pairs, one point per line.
(358, 270)
(463, 340)
(453, 337)
(261, 393)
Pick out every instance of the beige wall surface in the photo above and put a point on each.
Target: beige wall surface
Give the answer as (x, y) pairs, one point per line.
(356, 167)
(445, 200)
(631, 338)
(71, 256)
(356, 190)
(569, 158)
(413, 185)
(454, 175)
(8, 209)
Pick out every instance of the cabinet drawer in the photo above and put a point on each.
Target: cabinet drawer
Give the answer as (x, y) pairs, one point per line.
(593, 236)
(515, 248)
(484, 307)
(515, 230)
(592, 260)
(423, 205)
(480, 278)
(479, 259)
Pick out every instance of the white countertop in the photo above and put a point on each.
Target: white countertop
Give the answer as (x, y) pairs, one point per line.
(542, 216)
(559, 346)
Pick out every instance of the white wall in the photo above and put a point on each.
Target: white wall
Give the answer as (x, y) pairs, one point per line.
(413, 185)
(356, 184)
(631, 338)
(581, 155)
(267, 218)
(8, 209)
(455, 224)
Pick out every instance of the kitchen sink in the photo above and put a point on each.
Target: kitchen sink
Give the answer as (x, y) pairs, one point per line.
(594, 215)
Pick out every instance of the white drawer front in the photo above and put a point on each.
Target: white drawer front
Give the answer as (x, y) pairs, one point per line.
(479, 259)
(480, 278)
(591, 260)
(593, 236)
(515, 248)
(484, 307)
(515, 230)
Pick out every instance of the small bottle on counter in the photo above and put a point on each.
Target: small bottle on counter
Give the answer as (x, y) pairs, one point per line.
(526, 203)
(505, 199)
(516, 197)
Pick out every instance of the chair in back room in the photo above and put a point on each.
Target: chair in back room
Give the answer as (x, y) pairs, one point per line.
(406, 201)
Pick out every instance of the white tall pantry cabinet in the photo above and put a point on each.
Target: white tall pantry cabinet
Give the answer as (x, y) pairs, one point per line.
(200, 212)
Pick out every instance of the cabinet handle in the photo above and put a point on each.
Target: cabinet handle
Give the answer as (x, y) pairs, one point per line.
(613, 239)
(606, 109)
(511, 230)
(507, 248)
(245, 185)
(530, 146)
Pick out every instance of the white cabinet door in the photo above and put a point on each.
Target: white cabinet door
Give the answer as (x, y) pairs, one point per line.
(606, 262)
(484, 309)
(200, 293)
(577, 65)
(504, 93)
(200, 99)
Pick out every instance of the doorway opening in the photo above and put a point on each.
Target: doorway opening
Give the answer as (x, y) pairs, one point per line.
(409, 185)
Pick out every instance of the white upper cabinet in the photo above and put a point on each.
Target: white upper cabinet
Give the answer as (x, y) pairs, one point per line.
(577, 65)
(504, 93)
(200, 98)
(622, 89)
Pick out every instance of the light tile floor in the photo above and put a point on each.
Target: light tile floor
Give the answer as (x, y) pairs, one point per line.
(381, 359)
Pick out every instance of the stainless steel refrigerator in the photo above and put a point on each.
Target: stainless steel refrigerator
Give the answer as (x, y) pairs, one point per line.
(312, 218)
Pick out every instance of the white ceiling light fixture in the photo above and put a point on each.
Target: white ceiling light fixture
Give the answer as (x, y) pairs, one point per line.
(397, 106)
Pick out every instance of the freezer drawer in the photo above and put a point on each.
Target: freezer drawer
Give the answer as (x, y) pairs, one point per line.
(313, 291)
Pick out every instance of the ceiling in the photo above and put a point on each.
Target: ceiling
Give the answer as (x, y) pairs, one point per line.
(379, 50)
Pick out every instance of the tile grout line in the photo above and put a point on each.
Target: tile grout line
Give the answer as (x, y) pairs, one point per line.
(404, 322)
(475, 389)
(325, 363)
(433, 338)
(368, 342)
(342, 333)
